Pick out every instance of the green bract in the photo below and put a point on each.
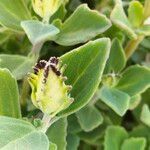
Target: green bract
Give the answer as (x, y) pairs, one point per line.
(49, 92)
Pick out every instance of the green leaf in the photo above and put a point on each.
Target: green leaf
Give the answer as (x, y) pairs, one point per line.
(35, 140)
(17, 64)
(20, 134)
(73, 124)
(114, 137)
(134, 101)
(144, 30)
(140, 131)
(115, 99)
(145, 43)
(85, 66)
(9, 15)
(120, 19)
(73, 142)
(146, 8)
(19, 128)
(145, 115)
(4, 36)
(9, 95)
(92, 136)
(60, 13)
(134, 144)
(57, 133)
(83, 25)
(134, 80)
(38, 32)
(116, 52)
(89, 118)
(136, 13)
(52, 146)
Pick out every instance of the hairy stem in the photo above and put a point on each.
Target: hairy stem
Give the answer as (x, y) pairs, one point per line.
(47, 121)
(36, 49)
(132, 46)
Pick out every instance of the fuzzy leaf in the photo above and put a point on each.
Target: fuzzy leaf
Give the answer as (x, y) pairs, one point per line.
(134, 144)
(145, 115)
(114, 137)
(144, 30)
(146, 8)
(134, 80)
(92, 136)
(120, 19)
(52, 146)
(9, 15)
(60, 13)
(35, 140)
(21, 134)
(73, 142)
(9, 95)
(4, 36)
(38, 32)
(117, 59)
(85, 66)
(17, 64)
(73, 124)
(83, 25)
(134, 101)
(89, 118)
(136, 13)
(115, 99)
(140, 131)
(57, 134)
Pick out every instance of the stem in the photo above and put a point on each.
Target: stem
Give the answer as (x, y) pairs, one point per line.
(36, 48)
(132, 46)
(46, 20)
(47, 122)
